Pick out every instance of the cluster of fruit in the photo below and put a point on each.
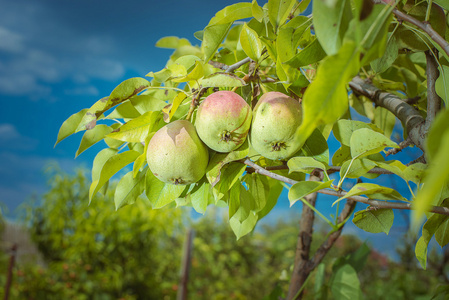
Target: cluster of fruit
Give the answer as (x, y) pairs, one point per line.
(178, 153)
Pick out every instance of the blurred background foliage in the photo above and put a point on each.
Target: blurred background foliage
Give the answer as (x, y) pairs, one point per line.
(95, 252)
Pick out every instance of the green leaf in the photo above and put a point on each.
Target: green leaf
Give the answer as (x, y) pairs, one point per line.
(232, 13)
(437, 177)
(304, 188)
(345, 284)
(146, 103)
(344, 129)
(112, 165)
(218, 160)
(421, 252)
(439, 128)
(126, 110)
(172, 42)
(99, 161)
(443, 3)
(251, 44)
(316, 147)
(142, 159)
(442, 233)
(429, 229)
(200, 197)
(137, 130)
(357, 168)
(442, 84)
(221, 79)
(127, 89)
(342, 155)
(304, 164)
(330, 21)
(243, 228)
(274, 192)
(171, 109)
(257, 11)
(212, 37)
(70, 125)
(385, 120)
(241, 203)
(259, 188)
(129, 189)
(365, 142)
(311, 54)
(381, 64)
(326, 98)
(160, 193)
(373, 191)
(374, 220)
(230, 174)
(279, 10)
(92, 137)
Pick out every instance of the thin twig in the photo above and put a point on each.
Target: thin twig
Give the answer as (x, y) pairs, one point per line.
(402, 145)
(237, 65)
(375, 203)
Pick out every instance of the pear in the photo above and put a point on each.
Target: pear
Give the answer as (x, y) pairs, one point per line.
(176, 154)
(275, 120)
(223, 121)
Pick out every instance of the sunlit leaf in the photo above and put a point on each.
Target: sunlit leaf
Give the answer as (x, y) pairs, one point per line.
(172, 42)
(374, 220)
(326, 98)
(136, 130)
(243, 228)
(221, 79)
(331, 20)
(92, 137)
(373, 191)
(279, 10)
(114, 164)
(128, 189)
(345, 284)
(160, 193)
(365, 142)
(70, 125)
(212, 37)
(304, 188)
(304, 164)
(232, 13)
(251, 44)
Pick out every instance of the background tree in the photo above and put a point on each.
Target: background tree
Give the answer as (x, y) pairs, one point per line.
(357, 67)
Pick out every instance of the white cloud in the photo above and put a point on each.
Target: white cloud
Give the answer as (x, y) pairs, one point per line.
(83, 91)
(33, 58)
(11, 41)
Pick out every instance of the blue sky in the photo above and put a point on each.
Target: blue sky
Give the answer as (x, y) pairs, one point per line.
(58, 57)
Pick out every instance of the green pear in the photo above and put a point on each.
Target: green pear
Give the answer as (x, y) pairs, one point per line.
(407, 38)
(275, 120)
(223, 120)
(176, 154)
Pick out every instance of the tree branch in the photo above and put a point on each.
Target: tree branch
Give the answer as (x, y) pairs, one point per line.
(375, 203)
(425, 27)
(300, 269)
(433, 100)
(413, 122)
